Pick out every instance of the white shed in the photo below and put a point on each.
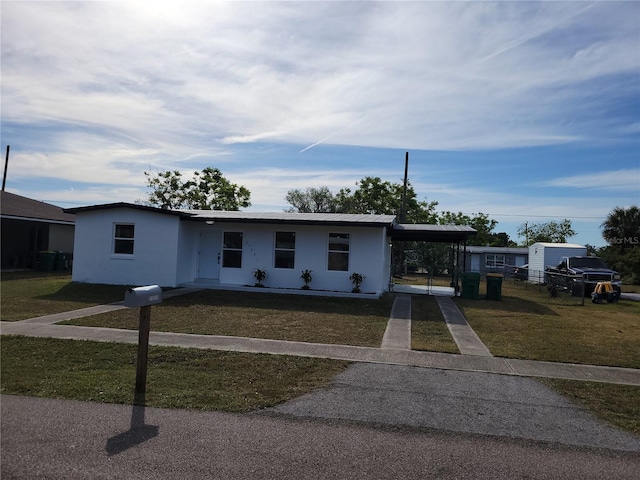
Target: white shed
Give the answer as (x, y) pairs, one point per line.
(542, 255)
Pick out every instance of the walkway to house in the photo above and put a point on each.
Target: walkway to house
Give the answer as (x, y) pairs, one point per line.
(395, 348)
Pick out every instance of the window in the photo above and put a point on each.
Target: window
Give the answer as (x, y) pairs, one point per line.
(232, 250)
(285, 250)
(123, 238)
(495, 260)
(338, 252)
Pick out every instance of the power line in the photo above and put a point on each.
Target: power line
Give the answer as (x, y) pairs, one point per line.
(531, 216)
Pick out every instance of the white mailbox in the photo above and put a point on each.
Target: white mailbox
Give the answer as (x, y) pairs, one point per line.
(143, 296)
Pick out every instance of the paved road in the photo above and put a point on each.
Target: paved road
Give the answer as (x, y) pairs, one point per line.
(45, 438)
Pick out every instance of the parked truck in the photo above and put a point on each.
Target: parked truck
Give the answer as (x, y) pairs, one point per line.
(573, 274)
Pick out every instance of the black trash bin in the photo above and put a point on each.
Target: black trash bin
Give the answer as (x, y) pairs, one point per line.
(494, 286)
(63, 261)
(470, 285)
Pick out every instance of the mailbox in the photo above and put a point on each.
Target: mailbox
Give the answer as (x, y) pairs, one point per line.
(143, 296)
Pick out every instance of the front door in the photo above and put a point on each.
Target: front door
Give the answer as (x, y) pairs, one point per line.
(210, 251)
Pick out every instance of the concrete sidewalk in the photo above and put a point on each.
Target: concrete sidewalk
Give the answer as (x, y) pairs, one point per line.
(395, 351)
(468, 342)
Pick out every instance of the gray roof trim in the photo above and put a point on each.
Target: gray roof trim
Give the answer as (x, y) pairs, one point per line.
(134, 206)
(38, 220)
(333, 219)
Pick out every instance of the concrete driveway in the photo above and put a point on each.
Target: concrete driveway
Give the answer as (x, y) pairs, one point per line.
(469, 402)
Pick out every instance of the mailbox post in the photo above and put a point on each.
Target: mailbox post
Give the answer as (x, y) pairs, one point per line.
(143, 297)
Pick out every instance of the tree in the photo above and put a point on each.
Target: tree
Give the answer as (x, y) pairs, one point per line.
(382, 197)
(207, 190)
(312, 200)
(552, 232)
(372, 195)
(622, 228)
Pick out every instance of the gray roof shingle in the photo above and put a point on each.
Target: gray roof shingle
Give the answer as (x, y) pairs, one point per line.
(16, 206)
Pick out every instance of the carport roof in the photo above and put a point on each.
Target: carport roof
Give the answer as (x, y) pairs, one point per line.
(430, 233)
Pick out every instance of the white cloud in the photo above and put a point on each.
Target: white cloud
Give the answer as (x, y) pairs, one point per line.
(625, 180)
(409, 75)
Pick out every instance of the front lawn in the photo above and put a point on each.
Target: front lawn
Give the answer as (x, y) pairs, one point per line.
(34, 294)
(348, 321)
(528, 324)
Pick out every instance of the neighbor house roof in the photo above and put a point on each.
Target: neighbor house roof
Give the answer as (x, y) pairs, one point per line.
(22, 208)
(506, 250)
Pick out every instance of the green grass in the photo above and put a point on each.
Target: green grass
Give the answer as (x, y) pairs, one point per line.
(616, 404)
(428, 328)
(34, 294)
(176, 378)
(528, 324)
(330, 320)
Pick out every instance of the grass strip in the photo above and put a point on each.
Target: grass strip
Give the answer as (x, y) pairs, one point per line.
(618, 405)
(429, 331)
(176, 377)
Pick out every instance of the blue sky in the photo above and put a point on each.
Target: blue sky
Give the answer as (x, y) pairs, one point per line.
(525, 111)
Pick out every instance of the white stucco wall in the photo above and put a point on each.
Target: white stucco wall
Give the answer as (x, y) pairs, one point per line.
(368, 255)
(154, 260)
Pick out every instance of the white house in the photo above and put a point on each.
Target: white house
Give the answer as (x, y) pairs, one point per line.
(128, 244)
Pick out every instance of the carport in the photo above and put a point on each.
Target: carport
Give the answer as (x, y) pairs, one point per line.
(452, 234)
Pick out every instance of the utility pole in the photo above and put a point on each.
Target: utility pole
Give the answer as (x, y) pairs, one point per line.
(6, 163)
(403, 207)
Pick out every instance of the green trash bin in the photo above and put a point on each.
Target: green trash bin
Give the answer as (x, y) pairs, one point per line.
(470, 285)
(494, 286)
(48, 261)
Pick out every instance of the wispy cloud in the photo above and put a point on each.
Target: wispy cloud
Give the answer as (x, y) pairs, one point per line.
(245, 72)
(623, 180)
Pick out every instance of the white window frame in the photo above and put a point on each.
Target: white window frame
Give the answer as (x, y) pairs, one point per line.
(117, 239)
(346, 252)
(226, 249)
(495, 263)
(277, 249)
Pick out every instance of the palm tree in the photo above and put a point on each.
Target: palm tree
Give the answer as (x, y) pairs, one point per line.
(622, 227)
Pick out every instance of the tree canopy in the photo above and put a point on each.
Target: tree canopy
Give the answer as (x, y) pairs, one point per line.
(312, 200)
(206, 190)
(372, 195)
(622, 228)
(553, 232)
